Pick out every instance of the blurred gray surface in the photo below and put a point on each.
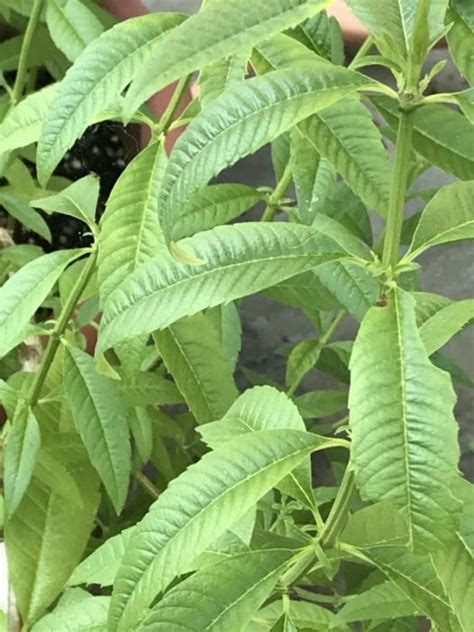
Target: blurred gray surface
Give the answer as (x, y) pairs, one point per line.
(447, 270)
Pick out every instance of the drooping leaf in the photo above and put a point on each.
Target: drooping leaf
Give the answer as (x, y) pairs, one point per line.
(101, 566)
(19, 208)
(95, 82)
(226, 27)
(193, 354)
(100, 416)
(239, 260)
(405, 447)
(72, 26)
(448, 217)
(197, 508)
(130, 232)
(84, 615)
(20, 457)
(78, 200)
(437, 330)
(347, 137)
(235, 589)
(24, 292)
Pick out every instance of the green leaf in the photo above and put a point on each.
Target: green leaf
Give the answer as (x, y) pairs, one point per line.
(384, 601)
(149, 389)
(263, 408)
(197, 508)
(234, 589)
(461, 39)
(404, 447)
(301, 360)
(46, 536)
(214, 205)
(455, 568)
(130, 233)
(226, 320)
(449, 216)
(447, 322)
(20, 457)
(319, 404)
(85, 615)
(72, 26)
(23, 123)
(100, 416)
(307, 616)
(323, 35)
(347, 137)
(240, 260)
(95, 82)
(381, 524)
(216, 78)
(224, 28)
(101, 566)
(21, 210)
(193, 354)
(78, 200)
(231, 126)
(441, 135)
(25, 291)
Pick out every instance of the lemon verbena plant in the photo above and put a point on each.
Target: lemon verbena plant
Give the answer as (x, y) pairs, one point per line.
(144, 487)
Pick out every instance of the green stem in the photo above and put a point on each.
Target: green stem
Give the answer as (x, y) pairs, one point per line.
(279, 192)
(173, 105)
(366, 46)
(398, 193)
(147, 484)
(59, 330)
(25, 50)
(338, 514)
(328, 334)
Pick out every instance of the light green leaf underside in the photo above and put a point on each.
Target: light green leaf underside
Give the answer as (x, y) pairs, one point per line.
(231, 126)
(240, 260)
(101, 566)
(20, 457)
(25, 291)
(225, 27)
(221, 597)
(405, 447)
(193, 354)
(130, 232)
(100, 415)
(384, 601)
(85, 615)
(202, 503)
(448, 216)
(347, 137)
(96, 81)
(78, 200)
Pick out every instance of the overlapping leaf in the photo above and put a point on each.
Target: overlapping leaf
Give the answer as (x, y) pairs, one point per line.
(72, 26)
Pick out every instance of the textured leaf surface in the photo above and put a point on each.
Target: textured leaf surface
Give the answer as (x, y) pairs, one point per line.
(24, 292)
(449, 216)
(445, 323)
(193, 354)
(384, 601)
(96, 81)
(72, 26)
(404, 446)
(101, 566)
(87, 615)
(231, 126)
(216, 78)
(225, 27)
(130, 232)
(461, 39)
(20, 457)
(380, 524)
(78, 200)
(221, 597)
(197, 508)
(240, 260)
(307, 616)
(100, 416)
(347, 137)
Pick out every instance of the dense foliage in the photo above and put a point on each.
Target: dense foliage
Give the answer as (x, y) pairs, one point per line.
(142, 490)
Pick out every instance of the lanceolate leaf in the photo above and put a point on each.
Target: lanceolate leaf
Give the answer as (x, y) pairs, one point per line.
(85, 615)
(96, 81)
(100, 416)
(404, 435)
(24, 292)
(20, 457)
(239, 260)
(197, 508)
(21, 210)
(193, 354)
(234, 590)
(225, 27)
(449, 216)
(461, 39)
(441, 135)
(72, 26)
(130, 232)
(78, 200)
(231, 126)
(448, 321)
(346, 135)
